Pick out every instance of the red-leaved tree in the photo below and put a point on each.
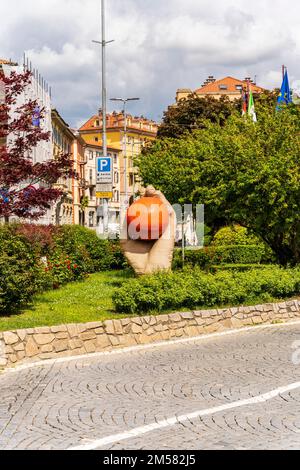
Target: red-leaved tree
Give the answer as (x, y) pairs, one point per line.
(26, 187)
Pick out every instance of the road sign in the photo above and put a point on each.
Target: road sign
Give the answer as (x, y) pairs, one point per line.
(104, 170)
(103, 195)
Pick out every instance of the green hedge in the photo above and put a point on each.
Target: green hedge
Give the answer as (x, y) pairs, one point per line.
(21, 273)
(34, 258)
(218, 255)
(193, 288)
(235, 235)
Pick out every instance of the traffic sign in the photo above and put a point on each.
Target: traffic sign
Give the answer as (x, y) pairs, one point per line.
(104, 170)
(103, 195)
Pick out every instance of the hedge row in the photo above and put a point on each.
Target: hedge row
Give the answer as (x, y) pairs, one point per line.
(228, 254)
(35, 258)
(193, 288)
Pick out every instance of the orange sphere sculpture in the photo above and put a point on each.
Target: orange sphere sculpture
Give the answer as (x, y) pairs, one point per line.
(147, 219)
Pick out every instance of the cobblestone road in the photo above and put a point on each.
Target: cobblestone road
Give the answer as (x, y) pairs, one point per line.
(73, 403)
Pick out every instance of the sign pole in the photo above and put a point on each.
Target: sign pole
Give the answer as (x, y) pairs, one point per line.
(104, 109)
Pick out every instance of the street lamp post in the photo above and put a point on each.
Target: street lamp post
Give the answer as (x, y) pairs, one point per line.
(125, 101)
(104, 43)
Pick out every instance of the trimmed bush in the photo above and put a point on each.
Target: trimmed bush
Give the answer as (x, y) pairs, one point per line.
(206, 257)
(21, 274)
(234, 235)
(34, 258)
(193, 288)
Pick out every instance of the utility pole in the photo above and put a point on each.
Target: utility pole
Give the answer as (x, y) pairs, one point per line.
(125, 101)
(104, 43)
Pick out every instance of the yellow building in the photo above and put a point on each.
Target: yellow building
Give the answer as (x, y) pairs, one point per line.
(140, 131)
(62, 139)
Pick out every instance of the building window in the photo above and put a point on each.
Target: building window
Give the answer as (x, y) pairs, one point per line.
(115, 159)
(91, 155)
(116, 177)
(239, 87)
(116, 196)
(91, 176)
(97, 123)
(91, 218)
(223, 87)
(96, 139)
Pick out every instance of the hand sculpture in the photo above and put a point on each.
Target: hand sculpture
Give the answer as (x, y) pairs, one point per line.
(147, 257)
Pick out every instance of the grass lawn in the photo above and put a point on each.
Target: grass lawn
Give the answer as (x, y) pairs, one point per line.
(78, 302)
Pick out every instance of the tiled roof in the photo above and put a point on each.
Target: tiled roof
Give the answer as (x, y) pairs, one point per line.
(116, 121)
(230, 83)
(7, 62)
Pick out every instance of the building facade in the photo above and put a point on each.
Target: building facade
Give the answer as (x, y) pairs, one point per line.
(228, 86)
(39, 91)
(139, 132)
(93, 212)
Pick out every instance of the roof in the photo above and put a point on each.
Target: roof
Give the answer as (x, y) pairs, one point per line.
(7, 62)
(58, 118)
(115, 121)
(230, 83)
(98, 146)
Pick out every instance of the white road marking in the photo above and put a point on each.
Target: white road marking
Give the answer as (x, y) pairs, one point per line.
(143, 347)
(174, 420)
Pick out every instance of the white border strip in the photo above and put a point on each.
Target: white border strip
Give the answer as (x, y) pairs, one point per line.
(136, 432)
(143, 347)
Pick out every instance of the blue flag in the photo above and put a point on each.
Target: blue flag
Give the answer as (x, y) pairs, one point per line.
(36, 118)
(285, 92)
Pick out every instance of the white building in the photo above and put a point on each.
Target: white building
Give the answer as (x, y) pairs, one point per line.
(39, 91)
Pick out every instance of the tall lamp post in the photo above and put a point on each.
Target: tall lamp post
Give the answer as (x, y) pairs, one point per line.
(104, 43)
(125, 101)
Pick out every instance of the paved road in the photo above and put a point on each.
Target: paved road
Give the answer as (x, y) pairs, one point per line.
(81, 402)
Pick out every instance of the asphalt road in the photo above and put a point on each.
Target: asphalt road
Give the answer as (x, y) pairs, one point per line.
(209, 393)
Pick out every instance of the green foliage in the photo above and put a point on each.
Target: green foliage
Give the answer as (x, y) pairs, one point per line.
(190, 114)
(193, 288)
(244, 173)
(21, 274)
(209, 256)
(234, 235)
(84, 247)
(35, 258)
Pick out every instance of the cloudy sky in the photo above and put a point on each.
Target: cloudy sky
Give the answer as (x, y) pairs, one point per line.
(160, 45)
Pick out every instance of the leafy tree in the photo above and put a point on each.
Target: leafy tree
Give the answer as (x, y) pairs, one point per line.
(244, 173)
(26, 188)
(189, 114)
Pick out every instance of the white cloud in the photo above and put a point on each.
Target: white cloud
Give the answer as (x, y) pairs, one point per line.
(159, 46)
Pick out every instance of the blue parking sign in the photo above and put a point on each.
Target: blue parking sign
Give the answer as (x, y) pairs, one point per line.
(104, 165)
(104, 170)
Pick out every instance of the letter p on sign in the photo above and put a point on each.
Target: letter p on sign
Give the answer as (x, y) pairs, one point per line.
(104, 165)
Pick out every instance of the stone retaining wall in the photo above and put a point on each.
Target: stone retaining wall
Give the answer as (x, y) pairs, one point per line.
(37, 344)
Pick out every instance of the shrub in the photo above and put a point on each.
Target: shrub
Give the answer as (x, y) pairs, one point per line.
(206, 257)
(193, 288)
(39, 237)
(234, 235)
(87, 250)
(21, 274)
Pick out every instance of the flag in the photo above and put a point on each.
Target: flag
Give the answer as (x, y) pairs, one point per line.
(285, 92)
(36, 118)
(251, 107)
(244, 103)
(4, 196)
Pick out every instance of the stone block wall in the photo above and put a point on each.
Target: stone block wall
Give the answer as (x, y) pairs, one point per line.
(38, 344)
